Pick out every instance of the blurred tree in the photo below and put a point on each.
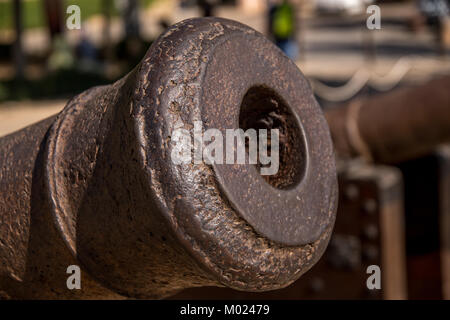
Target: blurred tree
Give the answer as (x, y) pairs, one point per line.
(107, 9)
(53, 13)
(18, 55)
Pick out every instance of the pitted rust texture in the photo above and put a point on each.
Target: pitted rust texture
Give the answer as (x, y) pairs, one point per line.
(96, 186)
(396, 126)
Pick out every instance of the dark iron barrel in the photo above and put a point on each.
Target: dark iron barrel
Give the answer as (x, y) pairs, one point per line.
(396, 126)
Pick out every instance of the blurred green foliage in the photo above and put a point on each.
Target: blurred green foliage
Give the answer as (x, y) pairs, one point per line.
(33, 14)
(63, 83)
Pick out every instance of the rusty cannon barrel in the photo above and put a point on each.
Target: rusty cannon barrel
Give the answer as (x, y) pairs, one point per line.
(396, 126)
(95, 185)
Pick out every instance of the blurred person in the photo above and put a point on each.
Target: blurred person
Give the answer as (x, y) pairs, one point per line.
(87, 55)
(437, 15)
(132, 46)
(129, 10)
(207, 7)
(282, 27)
(60, 55)
(131, 18)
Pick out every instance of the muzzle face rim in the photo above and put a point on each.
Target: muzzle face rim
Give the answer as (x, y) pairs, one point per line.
(293, 216)
(205, 214)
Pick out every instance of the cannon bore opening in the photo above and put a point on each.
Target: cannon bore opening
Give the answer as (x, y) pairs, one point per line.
(263, 108)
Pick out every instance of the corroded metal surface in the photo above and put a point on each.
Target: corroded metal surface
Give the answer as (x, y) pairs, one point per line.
(96, 187)
(396, 126)
(369, 230)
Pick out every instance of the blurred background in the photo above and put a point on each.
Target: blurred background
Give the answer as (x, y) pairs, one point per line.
(395, 216)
